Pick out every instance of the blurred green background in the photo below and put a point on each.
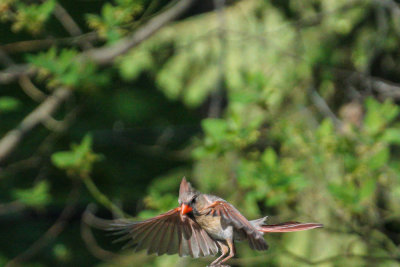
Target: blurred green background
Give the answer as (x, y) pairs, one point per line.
(285, 108)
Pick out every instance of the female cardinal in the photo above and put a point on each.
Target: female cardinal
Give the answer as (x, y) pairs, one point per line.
(202, 225)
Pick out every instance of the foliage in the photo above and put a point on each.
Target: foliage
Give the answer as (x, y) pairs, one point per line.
(29, 17)
(67, 70)
(37, 197)
(8, 104)
(114, 19)
(79, 160)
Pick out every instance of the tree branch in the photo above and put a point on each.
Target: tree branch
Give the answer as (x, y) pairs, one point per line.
(324, 108)
(11, 140)
(90, 240)
(69, 24)
(100, 56)
(33, 45)
(384, 88)
(14, 72)
(106, 55)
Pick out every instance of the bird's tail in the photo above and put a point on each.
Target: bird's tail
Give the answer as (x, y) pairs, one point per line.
(288, 227)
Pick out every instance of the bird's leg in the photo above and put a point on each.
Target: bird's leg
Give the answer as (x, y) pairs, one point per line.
(232, 250)
(224, 251)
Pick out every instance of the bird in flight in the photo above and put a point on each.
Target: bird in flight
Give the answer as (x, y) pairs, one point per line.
(202, 225)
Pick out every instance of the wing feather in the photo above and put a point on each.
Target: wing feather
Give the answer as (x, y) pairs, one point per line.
(231, 216)
(174, 240)
(155, 240)
(169, 233)
(289, 227)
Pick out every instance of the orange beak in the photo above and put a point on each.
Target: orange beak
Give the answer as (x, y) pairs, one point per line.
(185, 209)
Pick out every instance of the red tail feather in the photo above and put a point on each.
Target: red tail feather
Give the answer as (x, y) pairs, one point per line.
(288, 227)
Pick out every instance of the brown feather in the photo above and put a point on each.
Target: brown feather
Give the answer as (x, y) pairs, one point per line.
(289, 227)
(231, 216)
(169, 232)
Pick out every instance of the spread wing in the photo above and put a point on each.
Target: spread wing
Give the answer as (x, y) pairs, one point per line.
(231, 216)
(288, 227)
(167, 233)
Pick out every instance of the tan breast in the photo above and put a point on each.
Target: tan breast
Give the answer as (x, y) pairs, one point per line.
(210, 223)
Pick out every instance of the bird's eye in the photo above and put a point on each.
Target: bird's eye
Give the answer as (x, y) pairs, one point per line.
(193, 200)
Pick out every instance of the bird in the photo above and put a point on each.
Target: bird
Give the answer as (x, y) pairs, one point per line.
(202, 225)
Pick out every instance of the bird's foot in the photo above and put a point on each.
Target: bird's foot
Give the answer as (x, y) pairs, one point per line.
(218, 265)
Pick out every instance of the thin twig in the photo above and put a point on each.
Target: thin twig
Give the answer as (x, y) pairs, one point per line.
(60, 125)
(69, 24)
(30, 89)
(106, 55)
(66, 20)
(11, 140)
(44, 149)
(33, 45)
(13, 73)
(91, 242)
(101, 56)
(5, 59)
(324, 108)
(24, 81)
(11, 207)
(101, 198)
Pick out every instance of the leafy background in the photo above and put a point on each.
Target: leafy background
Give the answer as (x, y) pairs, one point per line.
(285, 108)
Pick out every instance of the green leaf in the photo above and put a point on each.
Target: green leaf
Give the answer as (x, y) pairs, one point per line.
(134, 63)
(378, 115)
(326, 128)
(37, 196)
(344, 193)
(275, 199)
(79, 160)
(63, 69)
(8, 104)
(215, 128)
(32, 17)
(269, 157)
(373, 119)
(64, 159)
(367, 189)
(379, 159)
(61, 252)
(392, 136)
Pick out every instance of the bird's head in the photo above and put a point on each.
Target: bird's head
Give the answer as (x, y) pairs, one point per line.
(187, 196)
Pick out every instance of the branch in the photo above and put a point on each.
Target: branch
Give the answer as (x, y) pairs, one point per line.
(30, 89)
(100, 55)
(383, 88)
(69, 24)
(106, 55)
(323, 107)
(66, 20)
(33, 45)
(90, 240)
(14, 72)
(11, 207)
(101, 198)
(11, 140)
